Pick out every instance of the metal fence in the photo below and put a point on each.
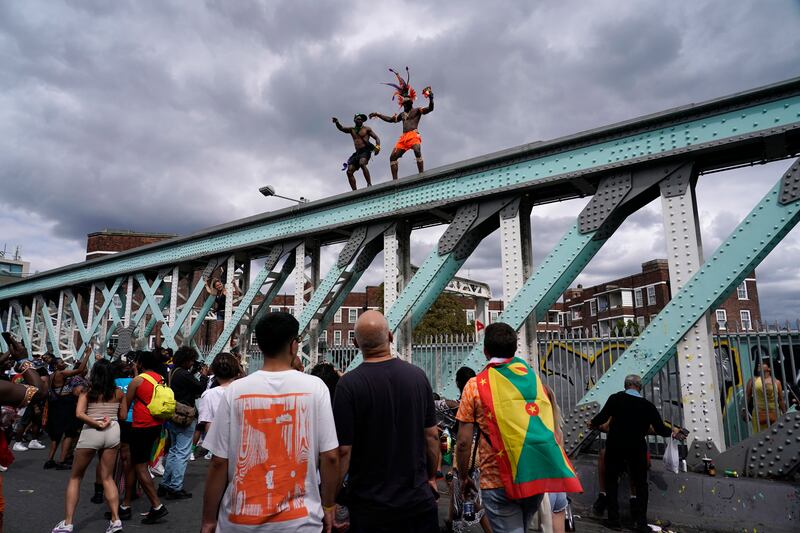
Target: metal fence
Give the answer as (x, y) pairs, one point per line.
(570, 365)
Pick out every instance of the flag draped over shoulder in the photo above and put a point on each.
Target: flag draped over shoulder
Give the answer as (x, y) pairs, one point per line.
(522, 431)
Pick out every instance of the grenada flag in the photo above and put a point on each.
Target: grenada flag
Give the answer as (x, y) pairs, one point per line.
(522, 431)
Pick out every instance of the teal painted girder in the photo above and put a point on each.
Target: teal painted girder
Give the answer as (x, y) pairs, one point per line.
(3, 345)
(21, 324)
(745, 248)
(156, 311)
(274, 290)
(553, 276)
(88, 331)
(247, 300)
(52, 336)
(420, 293)
(318, 298)
(201, 315)
(763, 117)
(338, 300)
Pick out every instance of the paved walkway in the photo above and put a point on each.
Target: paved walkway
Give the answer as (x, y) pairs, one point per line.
(35, 501)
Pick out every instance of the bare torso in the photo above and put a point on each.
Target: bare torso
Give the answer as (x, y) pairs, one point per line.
(360, 137)
(410, 119)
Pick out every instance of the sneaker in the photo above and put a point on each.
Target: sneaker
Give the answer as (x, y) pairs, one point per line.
(35, 445)
(49, 464)
(20, 447)
(3, 468)
(124, 514)
(97, 498)
(179, 495)
(192, 457)
(61, 527)
(157, 470)
(155, 515)
(114, 527)
(208, 456)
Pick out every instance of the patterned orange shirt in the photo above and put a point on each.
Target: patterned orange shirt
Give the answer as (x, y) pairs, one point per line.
(470, 411)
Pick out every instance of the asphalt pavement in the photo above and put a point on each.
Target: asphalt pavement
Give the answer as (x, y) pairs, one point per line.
(35, 501)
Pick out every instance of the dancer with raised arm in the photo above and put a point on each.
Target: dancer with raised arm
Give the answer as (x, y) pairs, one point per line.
(364, 148)
(410, 117)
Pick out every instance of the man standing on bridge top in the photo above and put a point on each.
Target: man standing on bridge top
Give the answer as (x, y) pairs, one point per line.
(364, 148)
(410, 117)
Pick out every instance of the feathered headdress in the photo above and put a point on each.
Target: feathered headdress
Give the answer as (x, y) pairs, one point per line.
(402, 88)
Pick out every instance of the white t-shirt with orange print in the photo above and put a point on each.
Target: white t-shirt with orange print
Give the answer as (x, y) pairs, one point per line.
(272, 426)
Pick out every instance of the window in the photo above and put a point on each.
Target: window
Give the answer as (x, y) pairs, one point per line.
(741, 291)
(350, 336)
(651, 295)
(722, 318)
(744, 316)
(594, 330)
(337, 337)
(640, 321)
(593, 307)
(576, 313)
(470, 316)
(560, 319)
(324, 336)
(274, 309)
(493, 316)
(637, 295)
(337, 319)
(352, 315)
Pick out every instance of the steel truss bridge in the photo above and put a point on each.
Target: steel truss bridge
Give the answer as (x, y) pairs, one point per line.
(622, 168)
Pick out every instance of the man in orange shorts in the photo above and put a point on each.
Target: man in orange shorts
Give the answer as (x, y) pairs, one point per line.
(410, 117)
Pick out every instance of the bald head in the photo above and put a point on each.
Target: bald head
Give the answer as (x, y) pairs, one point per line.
(372, 335)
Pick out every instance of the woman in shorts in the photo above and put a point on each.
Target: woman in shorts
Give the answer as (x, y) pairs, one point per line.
(99, 408)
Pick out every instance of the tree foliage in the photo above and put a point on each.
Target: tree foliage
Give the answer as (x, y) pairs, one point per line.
(445, 317)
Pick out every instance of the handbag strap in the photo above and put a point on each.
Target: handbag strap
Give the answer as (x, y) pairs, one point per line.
(476, 440)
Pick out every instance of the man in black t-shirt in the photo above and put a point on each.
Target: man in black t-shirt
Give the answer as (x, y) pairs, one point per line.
(631, 416)
(388, 440)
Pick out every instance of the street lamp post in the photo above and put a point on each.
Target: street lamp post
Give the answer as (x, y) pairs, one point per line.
(269, 190)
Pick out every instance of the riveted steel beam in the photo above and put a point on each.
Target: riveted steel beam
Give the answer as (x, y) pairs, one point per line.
(363, 240)
(758, 234)
(714, 133)
(574, 251)
(470, 226)
(275, 255)
(695, 351)
(52, 335)
(266, 301)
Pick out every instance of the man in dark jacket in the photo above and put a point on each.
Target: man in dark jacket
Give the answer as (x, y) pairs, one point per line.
(626, 449)
(187, 389)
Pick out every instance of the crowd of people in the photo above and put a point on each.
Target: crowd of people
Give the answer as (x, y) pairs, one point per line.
(317, 451)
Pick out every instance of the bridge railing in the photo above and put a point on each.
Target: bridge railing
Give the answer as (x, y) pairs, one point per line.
(571, 363)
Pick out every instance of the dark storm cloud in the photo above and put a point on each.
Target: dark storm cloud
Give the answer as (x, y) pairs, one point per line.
(167, 116)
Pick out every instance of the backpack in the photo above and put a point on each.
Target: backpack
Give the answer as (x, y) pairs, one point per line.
(162, 404)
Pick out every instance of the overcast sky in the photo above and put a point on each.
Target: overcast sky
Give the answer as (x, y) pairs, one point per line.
(167, 116)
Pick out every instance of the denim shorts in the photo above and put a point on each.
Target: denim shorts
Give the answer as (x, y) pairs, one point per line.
(507, 515)
(558, 501)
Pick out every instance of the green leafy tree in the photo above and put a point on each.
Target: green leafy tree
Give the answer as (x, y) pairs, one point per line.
(445, 317)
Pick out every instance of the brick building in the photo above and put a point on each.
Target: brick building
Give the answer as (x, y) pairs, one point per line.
(112, 241)
(595, 311)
